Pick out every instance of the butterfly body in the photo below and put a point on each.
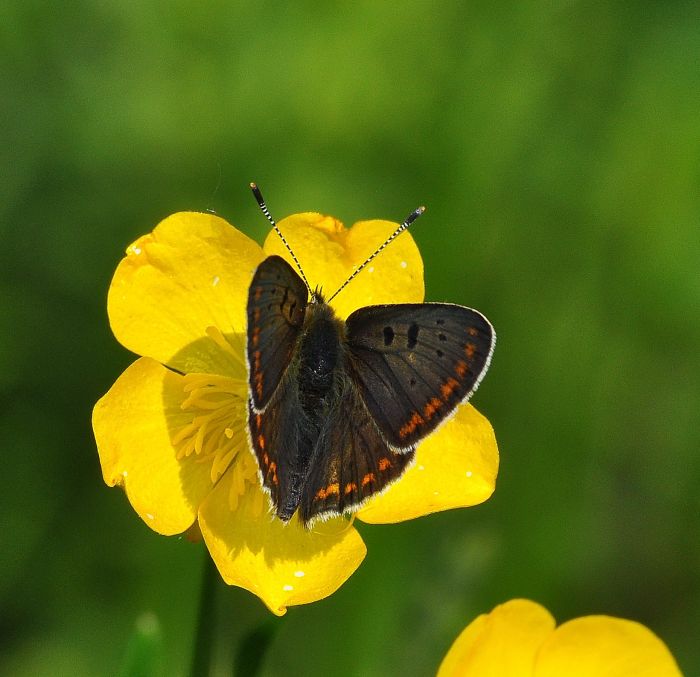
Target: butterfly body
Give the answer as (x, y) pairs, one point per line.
(337, 407)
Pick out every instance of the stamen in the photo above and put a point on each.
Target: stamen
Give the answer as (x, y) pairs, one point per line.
(237, 352)
(216, 432)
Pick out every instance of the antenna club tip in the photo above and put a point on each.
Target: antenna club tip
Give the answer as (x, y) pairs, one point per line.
(421, 209)
(253, 185)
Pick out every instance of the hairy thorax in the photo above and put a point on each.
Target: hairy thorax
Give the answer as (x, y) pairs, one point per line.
(321, 354)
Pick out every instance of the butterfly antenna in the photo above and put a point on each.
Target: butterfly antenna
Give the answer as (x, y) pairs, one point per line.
(263, 207)
(407, 222)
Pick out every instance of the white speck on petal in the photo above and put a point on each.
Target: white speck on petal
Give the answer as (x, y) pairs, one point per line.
(124, 473)
(421, 467)
(150, 517)
(299, 574)
(287, 588)
(371, 269)
(403, 264)
(215, 281)
(137, 250)
(469, 473)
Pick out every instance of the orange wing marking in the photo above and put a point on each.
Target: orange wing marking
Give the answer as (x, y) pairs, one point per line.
(369, 477)
(430, 408)
(350, 487)
(384, 463)
(448, 387)
(328, 491)
(413, 423)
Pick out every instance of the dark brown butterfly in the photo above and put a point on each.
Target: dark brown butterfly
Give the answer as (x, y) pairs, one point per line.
(337, 407)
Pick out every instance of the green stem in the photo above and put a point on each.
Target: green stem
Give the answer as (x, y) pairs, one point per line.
(206, 624)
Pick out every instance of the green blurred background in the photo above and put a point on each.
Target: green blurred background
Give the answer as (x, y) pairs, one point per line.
(557, 146)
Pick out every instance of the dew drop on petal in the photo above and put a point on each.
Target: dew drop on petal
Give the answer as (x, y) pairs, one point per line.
(371, 269)
(215, 280)
(469, 473)
(124, 473)
(403, 264)
(137, 250)
(299, 574)
(287, 587)
(421, 467)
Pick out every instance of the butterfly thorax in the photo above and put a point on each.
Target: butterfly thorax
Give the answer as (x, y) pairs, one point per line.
(320, 355)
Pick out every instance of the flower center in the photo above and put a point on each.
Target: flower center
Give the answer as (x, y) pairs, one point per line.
(217, 432)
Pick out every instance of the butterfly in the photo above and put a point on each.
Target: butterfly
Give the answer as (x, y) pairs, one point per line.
(336, 407)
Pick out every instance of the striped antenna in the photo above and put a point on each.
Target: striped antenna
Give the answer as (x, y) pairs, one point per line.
(408, 221)
(263, 206)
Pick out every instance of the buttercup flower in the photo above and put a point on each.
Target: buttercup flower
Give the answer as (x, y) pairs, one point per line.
(519, 639)
(172, 429)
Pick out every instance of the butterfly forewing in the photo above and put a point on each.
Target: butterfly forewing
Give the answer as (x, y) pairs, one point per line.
(416, 362)
(277, 301)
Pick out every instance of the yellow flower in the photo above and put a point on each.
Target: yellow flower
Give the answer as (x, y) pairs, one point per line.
(172, 429)
(519, 639)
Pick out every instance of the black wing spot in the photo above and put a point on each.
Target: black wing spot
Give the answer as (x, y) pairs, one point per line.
(440, 322)
(388, 336)
(412, 336)
(442, 337)
(413, 381)
(439, 353)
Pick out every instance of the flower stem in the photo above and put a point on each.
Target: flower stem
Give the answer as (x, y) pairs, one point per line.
(206, 625)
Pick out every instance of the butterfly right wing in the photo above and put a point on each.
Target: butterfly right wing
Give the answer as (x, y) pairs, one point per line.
(416, 362)
(277, 301)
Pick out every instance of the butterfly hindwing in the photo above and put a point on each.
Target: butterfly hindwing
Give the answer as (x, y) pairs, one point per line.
(416, 362)
(277, 302)
(274, 435)
(352, 461)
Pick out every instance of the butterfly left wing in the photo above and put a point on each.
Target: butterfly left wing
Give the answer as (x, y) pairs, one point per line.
(277, 302)
(416, 362)
(361, 463)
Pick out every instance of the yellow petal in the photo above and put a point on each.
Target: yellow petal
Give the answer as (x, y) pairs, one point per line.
(455, 467)
(328, 253)
(503, 642)
(602, 646)
(282, 564)
(133, 425)
(192, 272)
